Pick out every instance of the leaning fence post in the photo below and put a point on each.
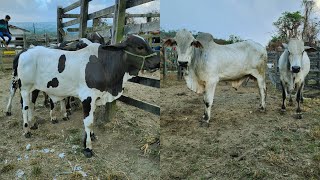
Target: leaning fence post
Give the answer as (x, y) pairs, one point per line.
(107, 113)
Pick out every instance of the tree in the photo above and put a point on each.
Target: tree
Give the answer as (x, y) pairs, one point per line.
(288, 24)
(311, 26)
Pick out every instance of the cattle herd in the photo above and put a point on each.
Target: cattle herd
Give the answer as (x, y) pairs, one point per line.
(206, 63)
(95, 73)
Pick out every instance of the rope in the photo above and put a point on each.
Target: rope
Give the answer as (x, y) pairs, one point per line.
(140, 56)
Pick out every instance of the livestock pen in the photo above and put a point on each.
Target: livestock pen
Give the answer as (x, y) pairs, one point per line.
(127, 147)
(241, 142)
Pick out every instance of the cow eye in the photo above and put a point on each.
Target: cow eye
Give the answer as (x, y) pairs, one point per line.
(140, 47)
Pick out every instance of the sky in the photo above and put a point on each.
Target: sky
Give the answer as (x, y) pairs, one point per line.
(249, 19)
(46, 10)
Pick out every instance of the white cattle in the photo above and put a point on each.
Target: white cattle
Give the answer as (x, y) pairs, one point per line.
(94, 74)
(294, 66)
(207, 63)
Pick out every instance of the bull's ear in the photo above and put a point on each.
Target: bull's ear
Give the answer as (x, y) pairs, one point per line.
(114, 47)
(284, 45)
(170, 42)
(309, 49)
(196, 44)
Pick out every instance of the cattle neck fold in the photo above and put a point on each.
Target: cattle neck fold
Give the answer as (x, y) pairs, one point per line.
(140, 56)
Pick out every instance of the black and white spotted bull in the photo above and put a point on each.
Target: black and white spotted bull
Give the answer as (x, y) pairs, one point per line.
(94, 74)
(294, 66)
(206, 63)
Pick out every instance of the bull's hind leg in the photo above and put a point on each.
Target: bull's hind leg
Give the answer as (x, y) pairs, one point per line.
(53, 113)
(88, 105)
(208, 101)
(262, 90)
(63, 109)
(13, 90)
(34, 96)
(25, 106)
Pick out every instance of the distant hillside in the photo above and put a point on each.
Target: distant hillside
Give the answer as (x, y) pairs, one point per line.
(38, 27)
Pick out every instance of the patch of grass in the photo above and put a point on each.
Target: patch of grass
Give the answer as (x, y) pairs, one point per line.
(36, 171)
(52, 136)
(13, 124)
(7, 168)
(73, 131)
(75, 176)
(315, 132)
(316, 157)
(275, 159)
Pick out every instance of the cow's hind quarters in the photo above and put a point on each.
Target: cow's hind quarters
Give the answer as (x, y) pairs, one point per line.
(27, 135)
(87, 153)
(8, 114)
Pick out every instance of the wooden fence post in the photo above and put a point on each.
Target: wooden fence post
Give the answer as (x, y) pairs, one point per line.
(25, 41)
(107, 112)
(59, 24)
(83, 18)
(1, 62)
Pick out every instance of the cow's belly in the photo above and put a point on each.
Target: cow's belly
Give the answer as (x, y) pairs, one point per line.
(105, 97)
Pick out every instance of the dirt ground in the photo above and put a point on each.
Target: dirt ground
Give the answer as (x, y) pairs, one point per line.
(55, 150)
(240, 142)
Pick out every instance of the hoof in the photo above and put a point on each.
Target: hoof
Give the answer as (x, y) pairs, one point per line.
(27, 135)
(93, 137)
(299, 116)
(263, 110)
(34, 127)
(54, 121)
(283, 111)
(88, 153)
(65, 118)
(203, 123)
(8, 114)
(69, 112)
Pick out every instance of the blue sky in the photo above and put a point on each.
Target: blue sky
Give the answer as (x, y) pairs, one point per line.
(46, 10)
(249, 19)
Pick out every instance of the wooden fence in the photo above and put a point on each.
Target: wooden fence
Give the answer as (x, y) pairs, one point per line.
(313, 78)
(23, 41)
(116, 33)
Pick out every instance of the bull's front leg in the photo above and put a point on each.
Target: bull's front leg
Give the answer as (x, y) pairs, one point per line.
(88, 105)
(208, 101)
(298, 99)
(284, 96)
(13, 90)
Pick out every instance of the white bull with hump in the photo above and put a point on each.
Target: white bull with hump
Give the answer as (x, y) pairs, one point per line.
(294, 66)
(207, 63)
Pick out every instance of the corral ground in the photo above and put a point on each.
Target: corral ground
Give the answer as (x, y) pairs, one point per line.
(118, 153)
(240, 142)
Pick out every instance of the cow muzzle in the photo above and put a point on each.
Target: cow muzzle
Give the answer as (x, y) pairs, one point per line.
(295, 69)
(183, 64)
